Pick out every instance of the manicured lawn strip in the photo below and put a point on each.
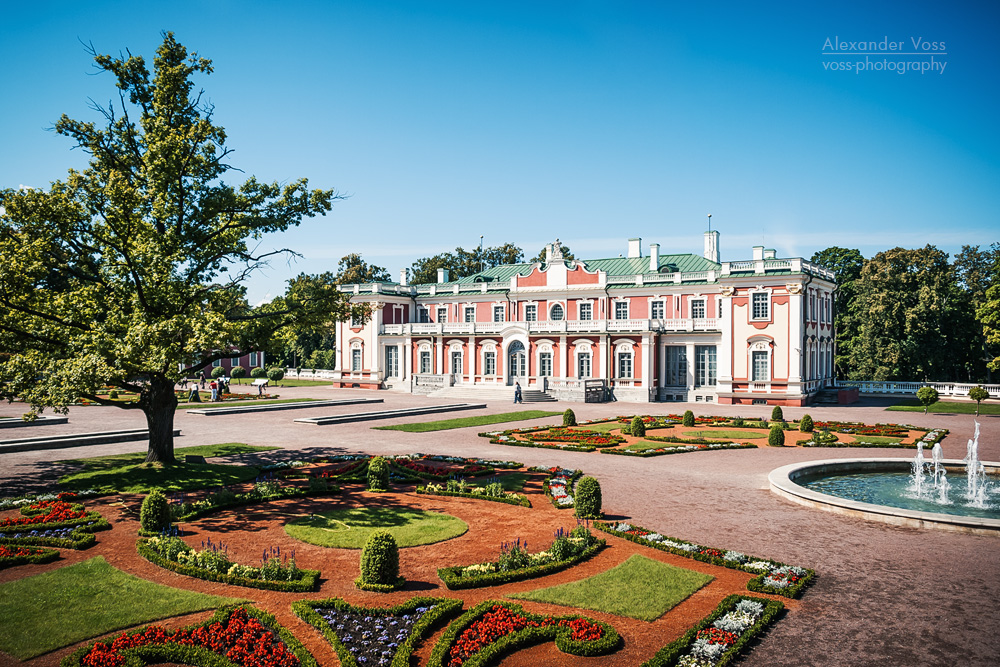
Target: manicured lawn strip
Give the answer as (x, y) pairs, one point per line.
(285, 649)
(647, 449)
(875, 440)
(726, 433)
(521, 501)
(715, 557)
(453, 579)
(13, 555)
(299, 382)
(351, 526)
(601, 427)
(669, 655)
(640, 588)
(47, 611)
(510, 481)
(513, 442)
(609, 642)
(306, 583)
(946, 407)
(464, 422)
(236, 404)
(443, 609)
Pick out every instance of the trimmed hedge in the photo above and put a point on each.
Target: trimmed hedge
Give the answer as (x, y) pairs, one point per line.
(453, 579)
(521, 501)
(669, 655)
(196, 655)
(587, 498)
(81, 537)
(569, 417)
(378, 474)
(443, 609)
(380, 564)
(154, 515)
(688, 419)
(43, 556)
(610, 641)
(678, 450)
(756, 584)
(306, 583)
(570, 484)
(776, 436)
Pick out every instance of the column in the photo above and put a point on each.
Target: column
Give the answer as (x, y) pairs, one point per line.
(563, 358)
(724, 356)
(473, 359)
(689, 351)
(439, 354)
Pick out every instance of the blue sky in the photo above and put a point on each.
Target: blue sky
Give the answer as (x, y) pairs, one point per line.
(592, 122)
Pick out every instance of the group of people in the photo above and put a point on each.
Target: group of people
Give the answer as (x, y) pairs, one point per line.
(218, 387)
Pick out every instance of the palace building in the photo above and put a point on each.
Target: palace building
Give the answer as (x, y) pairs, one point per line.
(665, 327)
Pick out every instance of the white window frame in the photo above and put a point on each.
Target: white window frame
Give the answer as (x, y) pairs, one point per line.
(357, 359)
(423, 314)
(754, 294)
(624, 358)
(392, 361)
(545, 359)
(590, 311)
(702, 303)
(581, 356)
(531, 312)
(660, 304)
(470, 314)
(490, 362)
(442, 309)
(552, 312)
(618, 309)
(499, 310)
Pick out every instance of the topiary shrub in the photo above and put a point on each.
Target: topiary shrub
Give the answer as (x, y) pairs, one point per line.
(257, 373)
(588, 498)
(154, 515)
(238, 373)
(380, 562)
(218, 372)
(276, 374)
(638, 427)
(378, 474)
(776, 438)
(688, 418)
(113, 394)
(927, 396)
(806, 424)
(569, 418)
(739, 421)
(777, 414)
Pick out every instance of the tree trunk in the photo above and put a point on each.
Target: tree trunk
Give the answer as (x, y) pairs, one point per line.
(159, 404)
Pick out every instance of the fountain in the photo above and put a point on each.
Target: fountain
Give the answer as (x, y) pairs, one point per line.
(975, 473)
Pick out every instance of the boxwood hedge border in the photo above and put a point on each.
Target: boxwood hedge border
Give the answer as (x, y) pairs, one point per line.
(453, 579)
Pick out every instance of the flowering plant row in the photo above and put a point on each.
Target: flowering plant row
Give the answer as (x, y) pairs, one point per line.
(491, 463)
(264, 490)
(509, 438)
(52, 522)
(382, 636)
(17, 555)
(680, 449)
(720, 637)
(242, 635)
(574, 435)
(480, 492)
(424, 471)
(559, 486)
(274, 573)
(492, 628)
(772, 577)
(28, 499)
(49, 512)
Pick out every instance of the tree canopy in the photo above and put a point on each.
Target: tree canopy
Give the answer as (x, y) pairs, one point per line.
(353, 269)
(128, 273)
(567, 254)
(462, 262)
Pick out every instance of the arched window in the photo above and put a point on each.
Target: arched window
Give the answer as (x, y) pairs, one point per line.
(556, 313)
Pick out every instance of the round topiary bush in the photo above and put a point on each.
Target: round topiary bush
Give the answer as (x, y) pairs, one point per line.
(154, 515)
(569, 418)
(588, 498)
(257, 373)
(218, 372)
(776, 438)
(380, 562)
(238, 373)
(638, 427)
(777, 414)
(688, 418)
(806, 424)
(378, 474)
(113, 394)
(276, 374)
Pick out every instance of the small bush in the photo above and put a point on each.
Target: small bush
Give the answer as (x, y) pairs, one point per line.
(739, 421)
(638, 427)
(588, 498)
(777, 414)
(257, 373)
(776, 438)
(927, 396)
(276, 374)
(238, 372)
(380, 559)
(218, 372)
(378, 474)
(806, 424)
(154, 515)
(569, 418)
(113, 394)
(688, 418)
(513, 556)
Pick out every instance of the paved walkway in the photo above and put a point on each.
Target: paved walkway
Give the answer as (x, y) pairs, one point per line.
(884, 595)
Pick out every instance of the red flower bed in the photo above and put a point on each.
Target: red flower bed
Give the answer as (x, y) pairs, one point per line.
(500, 621)
(58, 510)
(579, 437)
(242, 639)
(717, 636)
(18, 552)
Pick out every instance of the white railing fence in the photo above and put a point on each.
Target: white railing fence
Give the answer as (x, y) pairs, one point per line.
(898, 387)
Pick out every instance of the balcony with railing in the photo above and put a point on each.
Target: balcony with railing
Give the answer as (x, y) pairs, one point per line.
(709, 324)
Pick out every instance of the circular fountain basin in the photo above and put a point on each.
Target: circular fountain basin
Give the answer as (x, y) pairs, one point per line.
(784, 482)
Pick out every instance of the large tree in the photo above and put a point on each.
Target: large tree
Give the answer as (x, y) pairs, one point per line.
(978, 272)
(462, 262)
(354, 269)
(846, 264)
(128, 273)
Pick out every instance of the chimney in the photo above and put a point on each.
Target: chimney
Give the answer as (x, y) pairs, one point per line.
(548, 253)
(758, 252)
(442, 275)
(402, 277)
(635, 248)
(769, 253)
(712, 246)
(654, 257)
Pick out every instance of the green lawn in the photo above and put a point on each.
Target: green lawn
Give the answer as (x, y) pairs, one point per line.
(603, 427)
(349, 528)
(946, 407)
(463, 422)
(55, 609)
(301, 383)
(128, 472)
(716, 433)
(640, 588)
(184, 405)
(877, 439)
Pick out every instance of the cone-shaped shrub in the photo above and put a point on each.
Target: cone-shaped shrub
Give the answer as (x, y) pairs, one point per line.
(569, 418)
(776, 438)
(588, 498)
(806, 424)
(154, 515)
(378, 474)
(380, 560)
(688, 418)
(777, 414)
(638, 427)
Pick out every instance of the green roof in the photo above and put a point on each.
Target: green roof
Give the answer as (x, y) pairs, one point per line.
(629, 266)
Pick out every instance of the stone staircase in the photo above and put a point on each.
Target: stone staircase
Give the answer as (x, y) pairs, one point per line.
(492, 394)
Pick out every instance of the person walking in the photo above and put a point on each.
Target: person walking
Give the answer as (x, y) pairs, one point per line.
(213, 385)
(517, 392)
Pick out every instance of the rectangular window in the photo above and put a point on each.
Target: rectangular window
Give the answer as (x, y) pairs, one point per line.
(355, 360)
(425, 361)
(761, 372)
(657, 310)
(216, 363)
(252, 361)
(621, 310)
(490, 363)
(586, 311)
(498, 313)
(470, 313)
(423, 315)
(698, 309)
(530, 313)
(545, 364)
(761, 306)
(583, 365)
(624, 364)
(442, 314)
(704, 366)
(392, 361)
(676, 358)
